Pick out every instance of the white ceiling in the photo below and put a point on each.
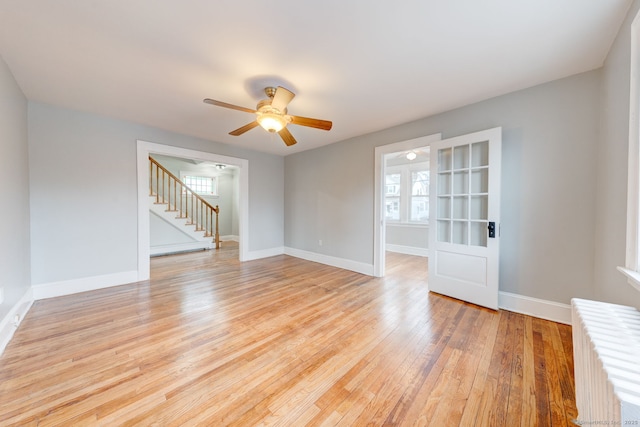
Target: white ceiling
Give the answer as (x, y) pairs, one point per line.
(364, 64)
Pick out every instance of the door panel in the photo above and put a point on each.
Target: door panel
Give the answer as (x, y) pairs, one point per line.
(475, 271)
(465, 188)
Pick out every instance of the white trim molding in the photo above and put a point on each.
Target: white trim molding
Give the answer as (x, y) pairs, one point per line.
(407, 250)
(264, 253)
(633, 277)
(543, 309)
(631, 268)
(180, 247)
(347, 264)
(74, 286)
(12, 320)
(230, 238)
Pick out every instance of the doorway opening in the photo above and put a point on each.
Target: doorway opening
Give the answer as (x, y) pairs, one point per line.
(400, 202)
(214, 189)
(144, 149)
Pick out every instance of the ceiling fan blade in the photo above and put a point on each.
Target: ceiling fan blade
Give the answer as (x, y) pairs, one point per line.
(282, 98)
(287, 137)
(225, 105)
(244, 128)
(312, 123)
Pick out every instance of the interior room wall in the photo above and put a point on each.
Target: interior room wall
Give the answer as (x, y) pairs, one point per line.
(235, 206)
(225, 201)
(611, 189)
(14, 186)
(550, 144)
(162, 233)
(407, 236)
(83, 192)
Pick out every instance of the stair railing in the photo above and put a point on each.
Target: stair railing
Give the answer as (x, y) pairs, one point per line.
(170, 190)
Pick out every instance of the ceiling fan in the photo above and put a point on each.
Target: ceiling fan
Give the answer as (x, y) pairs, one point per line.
(272, 115)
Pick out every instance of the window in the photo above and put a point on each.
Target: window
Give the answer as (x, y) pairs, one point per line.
(419, 196)
(203, 185)
(407, 194)
(392, 196)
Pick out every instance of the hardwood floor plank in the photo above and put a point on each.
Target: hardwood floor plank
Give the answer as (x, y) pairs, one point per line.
(565, 368)
(465, 372)
(388, 366)
(516, 393)
(543, 411)
(395, 396)
(282, 341)
(528, 413)
(475, 402)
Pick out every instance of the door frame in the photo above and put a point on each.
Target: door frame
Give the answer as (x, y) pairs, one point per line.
(379, 239)
(144, 148)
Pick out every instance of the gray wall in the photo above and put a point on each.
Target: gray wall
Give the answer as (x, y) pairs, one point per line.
(228, 213)
(407, 235)
(612, 152)
(14, 188)
(330, 198)
(83, 192)
(550, 147)
(162, 233)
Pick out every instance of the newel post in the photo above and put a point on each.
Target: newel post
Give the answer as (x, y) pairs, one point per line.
(217, 211)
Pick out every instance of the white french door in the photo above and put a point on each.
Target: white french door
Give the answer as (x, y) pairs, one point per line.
(464, 231)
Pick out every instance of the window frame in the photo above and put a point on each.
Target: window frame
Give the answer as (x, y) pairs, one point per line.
(214, 183)
(631, 268)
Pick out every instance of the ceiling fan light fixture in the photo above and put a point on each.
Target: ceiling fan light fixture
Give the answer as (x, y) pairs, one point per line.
(272, 122)
(271, 115)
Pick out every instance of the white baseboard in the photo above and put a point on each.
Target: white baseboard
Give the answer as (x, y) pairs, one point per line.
(264, 253)
(548, 310)
(407, 250)
(358, 267)
(8, 325)
(230, 237)
(68, 287)
(180, 247)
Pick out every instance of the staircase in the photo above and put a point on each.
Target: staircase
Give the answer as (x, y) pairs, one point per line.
(176, 204)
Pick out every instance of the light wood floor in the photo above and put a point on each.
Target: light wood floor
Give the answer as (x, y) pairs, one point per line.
(282, 341)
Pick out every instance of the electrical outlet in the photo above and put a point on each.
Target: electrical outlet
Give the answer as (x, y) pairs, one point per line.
(319, 242)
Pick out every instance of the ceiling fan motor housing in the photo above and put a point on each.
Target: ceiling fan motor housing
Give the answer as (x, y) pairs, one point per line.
(270, 91)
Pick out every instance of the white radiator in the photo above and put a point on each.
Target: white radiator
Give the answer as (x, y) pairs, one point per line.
(606, 353)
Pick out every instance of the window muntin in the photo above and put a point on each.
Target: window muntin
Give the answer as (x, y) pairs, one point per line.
(202, 185)
(392, 196)
(419, 196)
